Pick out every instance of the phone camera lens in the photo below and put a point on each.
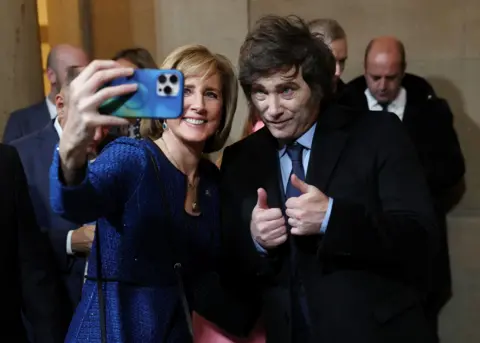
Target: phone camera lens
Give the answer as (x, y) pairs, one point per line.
(168, 90)
(173, 79)
(162, 79)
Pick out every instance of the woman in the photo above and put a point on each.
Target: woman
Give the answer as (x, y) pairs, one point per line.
(137, 58)
(157, 200)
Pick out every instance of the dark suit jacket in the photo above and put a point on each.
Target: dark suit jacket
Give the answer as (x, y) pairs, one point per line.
(429, 122)
(29, 281)
(25, 121)
(365, 278)
(340, 86)
(36, 152)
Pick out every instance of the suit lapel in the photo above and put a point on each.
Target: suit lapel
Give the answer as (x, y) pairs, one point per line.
(328, 143)
(327, 146)
(268, 162)
(42, 117)
(49, 136)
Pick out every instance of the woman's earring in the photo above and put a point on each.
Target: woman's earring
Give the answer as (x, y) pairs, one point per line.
(164, 126)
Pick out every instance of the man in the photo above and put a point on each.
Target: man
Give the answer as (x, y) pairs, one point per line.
(33, 118)
(429, 122)
(335, 37)
(70, 241)
(29, 281)
(326, 215)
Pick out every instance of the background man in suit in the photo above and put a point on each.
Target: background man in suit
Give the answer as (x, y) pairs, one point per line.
(29, 282)
(70, 241)
(335, 37)
(429, 122)
(35, 117)
(327, 217)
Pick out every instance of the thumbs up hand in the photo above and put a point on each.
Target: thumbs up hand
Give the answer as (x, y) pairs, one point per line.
(306, 212)
(267, 225)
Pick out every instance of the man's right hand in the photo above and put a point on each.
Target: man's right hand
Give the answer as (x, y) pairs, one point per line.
(82, 239)
(268, 224)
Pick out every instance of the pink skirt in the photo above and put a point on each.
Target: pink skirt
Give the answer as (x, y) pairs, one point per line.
(206, 332)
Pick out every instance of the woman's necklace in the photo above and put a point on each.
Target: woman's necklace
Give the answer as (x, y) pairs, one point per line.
(191, 184)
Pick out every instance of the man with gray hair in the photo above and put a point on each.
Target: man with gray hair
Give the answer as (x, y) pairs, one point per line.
(335, 37)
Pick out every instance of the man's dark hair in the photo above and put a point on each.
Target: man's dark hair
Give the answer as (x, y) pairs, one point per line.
(280, 43)
(139, 56)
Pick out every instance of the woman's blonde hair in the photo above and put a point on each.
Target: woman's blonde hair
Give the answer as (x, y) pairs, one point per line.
(197, 60)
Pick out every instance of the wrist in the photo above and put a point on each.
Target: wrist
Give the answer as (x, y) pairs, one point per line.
(71, 157)
(78, 241)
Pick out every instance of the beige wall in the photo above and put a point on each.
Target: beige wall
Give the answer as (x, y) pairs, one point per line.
(20, 60)
(64, 22)
(120, 24)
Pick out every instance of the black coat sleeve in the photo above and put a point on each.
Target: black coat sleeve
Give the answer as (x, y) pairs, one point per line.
(230, 297)
(395, 229)
(441, 155)
(42, 296)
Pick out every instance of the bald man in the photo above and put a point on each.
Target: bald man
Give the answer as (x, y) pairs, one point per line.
(386, 87)
(33, 118)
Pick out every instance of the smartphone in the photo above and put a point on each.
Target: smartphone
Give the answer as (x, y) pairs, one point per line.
(159, 95)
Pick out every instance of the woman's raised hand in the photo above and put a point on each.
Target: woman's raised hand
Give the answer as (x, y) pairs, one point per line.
(83, 98)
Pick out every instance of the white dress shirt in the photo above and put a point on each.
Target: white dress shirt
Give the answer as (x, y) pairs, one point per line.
(57, 127)
(397, 106)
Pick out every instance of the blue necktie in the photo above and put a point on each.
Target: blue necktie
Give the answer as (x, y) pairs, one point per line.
(300, 324)
(295, 152)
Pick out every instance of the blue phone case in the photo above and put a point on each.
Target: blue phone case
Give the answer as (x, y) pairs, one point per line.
(159, 95)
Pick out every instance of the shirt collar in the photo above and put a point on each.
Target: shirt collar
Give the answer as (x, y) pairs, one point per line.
(400, 101)
(57, 127)
(397, 104)
(52, 109)
(305, 140)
